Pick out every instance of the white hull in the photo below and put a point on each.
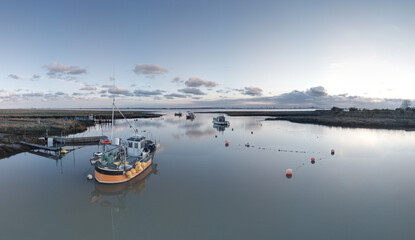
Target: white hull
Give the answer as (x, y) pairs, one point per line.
(221, 123)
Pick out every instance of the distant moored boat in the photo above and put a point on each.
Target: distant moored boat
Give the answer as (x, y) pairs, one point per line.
(220, 120)
(190, 115)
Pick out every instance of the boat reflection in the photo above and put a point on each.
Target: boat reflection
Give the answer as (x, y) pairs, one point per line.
(115, 197)
(103, 192)
(219, 127)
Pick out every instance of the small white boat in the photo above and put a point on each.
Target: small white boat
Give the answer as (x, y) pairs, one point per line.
(220, 120)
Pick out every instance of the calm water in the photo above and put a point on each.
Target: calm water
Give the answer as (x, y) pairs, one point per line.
(201, 189)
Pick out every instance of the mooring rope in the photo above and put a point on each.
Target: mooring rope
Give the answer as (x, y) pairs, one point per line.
(131, 126)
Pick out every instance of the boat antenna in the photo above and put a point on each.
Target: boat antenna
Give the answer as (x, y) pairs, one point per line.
(113, 105)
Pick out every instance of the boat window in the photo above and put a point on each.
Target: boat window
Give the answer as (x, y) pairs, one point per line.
(135, 145)
(130, 144)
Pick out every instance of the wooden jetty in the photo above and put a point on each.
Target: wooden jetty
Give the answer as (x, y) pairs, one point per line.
(92, 139)
(40, 146)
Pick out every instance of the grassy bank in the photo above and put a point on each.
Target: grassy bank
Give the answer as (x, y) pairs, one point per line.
(378, 118)
(98, 114)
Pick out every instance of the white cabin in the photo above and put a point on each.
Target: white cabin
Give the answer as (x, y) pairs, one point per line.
(135, 146)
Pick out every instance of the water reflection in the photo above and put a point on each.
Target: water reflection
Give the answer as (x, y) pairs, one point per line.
(173, 121)
(151, 123)
(103, 193)
(197, 134)
(220, 128)
(48, 154)
(369, 175)
(114, 196)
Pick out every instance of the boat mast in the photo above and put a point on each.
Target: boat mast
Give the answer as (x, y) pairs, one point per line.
(112, 119)
(113, 105)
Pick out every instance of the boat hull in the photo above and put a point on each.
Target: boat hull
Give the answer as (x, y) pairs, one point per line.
(107, 176)
(221, 123)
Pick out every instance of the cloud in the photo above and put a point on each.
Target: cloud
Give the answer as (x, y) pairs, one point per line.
(176, 80)
(150, 70)
(14, 76)
(56, 70)
(30, 97)
(252, 91)
(174, 95)
(193, 91)
(119, 91)
(144, 93)
(317, 91)
(112, 78)
(88, 88)
(198, 82)
(308, 98)
(36, 94)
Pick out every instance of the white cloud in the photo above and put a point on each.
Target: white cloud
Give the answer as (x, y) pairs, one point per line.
(119, 91)
(88, 88)
(176, 80)
(253, 91)
(14, 76)
(57, 70)
(150, 70)
(193, 91)
(144, 93)
(317, 91)
(198, 82)
(174, 95)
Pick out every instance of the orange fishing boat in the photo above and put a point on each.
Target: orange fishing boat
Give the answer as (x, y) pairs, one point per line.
(123, 162)
(120, 161)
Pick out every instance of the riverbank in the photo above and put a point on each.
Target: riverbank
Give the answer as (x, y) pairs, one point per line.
(97, 114)
(378, 118)
(33, 125)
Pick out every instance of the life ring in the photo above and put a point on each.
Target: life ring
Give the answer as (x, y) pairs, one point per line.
(105, 141)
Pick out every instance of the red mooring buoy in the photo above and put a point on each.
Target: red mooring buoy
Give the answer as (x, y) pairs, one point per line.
(313, 160)
(289, 172)
(226, 144)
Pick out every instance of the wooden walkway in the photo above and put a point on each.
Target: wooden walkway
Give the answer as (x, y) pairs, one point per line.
(93, 139)
(40, 146)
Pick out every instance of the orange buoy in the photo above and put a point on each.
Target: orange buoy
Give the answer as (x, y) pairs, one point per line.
(226, 144)
(289, 172)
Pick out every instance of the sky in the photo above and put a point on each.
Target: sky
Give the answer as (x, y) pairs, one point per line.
(271, 54)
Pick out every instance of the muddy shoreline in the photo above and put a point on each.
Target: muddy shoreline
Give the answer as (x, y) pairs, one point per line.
(398, 119)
